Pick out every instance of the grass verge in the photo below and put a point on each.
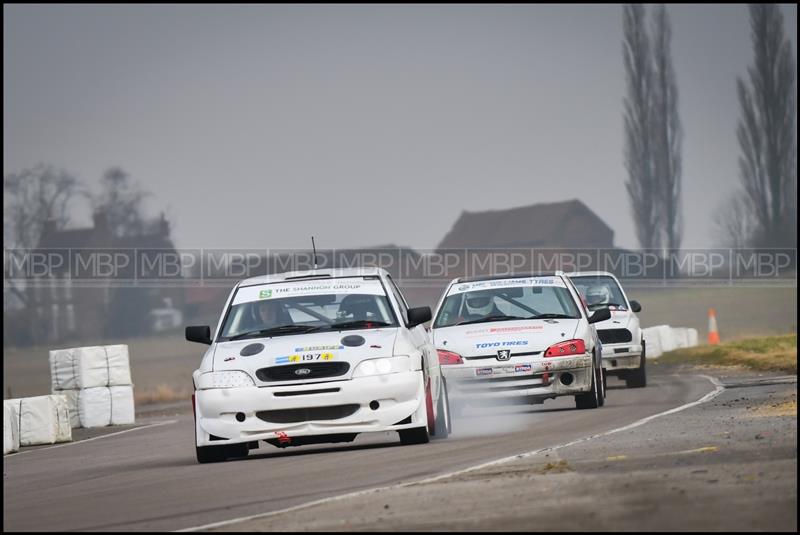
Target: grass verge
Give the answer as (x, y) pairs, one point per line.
(770, 353)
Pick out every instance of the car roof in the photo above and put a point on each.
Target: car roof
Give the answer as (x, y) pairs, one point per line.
(314, 274)
(509, 276)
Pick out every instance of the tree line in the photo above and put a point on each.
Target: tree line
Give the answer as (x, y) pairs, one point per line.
(762, 212)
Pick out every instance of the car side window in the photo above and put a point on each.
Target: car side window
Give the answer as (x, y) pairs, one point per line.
(401, 302)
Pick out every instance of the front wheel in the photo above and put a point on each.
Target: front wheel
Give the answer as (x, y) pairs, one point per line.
(638, 378)
(418, 435)
(443, 425)
(216, 454)
(590, 399)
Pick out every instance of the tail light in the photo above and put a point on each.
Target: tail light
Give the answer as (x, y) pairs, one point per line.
(562, 349)
(448, 357)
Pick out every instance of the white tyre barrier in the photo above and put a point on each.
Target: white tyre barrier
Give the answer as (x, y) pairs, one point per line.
(10, 428)
(88, 367)
(652, 343)
(42, 420)
(693, 339)
(681, 337)
(101, 406)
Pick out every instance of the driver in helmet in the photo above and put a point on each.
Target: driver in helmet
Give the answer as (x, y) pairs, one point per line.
(271, 314)
(597, 295)
(481, 305)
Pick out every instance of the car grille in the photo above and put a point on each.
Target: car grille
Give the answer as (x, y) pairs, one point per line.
(494, 355)
(291, 416)
(614, 336)
(317, 370)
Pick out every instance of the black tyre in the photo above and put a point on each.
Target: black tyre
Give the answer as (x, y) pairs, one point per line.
(638, 378)
(443, 423)
(217, 454)
(589, 400)
(418, 435)
(210, 454)
(601, 395)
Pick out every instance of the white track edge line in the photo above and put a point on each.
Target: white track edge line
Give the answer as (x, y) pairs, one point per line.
(718, 388)
(148, 426)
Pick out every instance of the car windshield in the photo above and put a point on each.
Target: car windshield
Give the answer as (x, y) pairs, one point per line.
(600, 291)
(534, 298)
(307, 306)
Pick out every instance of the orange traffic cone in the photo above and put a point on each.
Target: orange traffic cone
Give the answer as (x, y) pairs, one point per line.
(713, 335)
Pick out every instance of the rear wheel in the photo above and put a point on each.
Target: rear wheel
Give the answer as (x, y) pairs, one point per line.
(589, 400)
(638, 378)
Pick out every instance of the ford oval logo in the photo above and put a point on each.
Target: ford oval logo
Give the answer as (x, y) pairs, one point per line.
(302, 371)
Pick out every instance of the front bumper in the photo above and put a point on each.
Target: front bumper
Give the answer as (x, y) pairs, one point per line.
(541, 378)
(624, 356)
(301, 410)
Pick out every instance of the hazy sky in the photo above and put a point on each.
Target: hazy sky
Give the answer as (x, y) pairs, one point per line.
(259, 125)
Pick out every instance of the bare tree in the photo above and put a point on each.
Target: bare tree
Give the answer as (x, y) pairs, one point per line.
(766, 130)
(637, 103)
(733, 221)
(667, 132)
(31, 198)
(120, 201)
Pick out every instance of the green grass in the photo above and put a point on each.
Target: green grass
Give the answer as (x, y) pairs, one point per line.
(771, 353)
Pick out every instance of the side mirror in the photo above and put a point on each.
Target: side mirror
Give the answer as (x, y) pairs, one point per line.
(635, 306)
(199, 333)
(602, 314)
(419, 315)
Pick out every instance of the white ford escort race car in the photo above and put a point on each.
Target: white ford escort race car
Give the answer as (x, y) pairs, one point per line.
(527, 337)
(620, 335)
(316, 356)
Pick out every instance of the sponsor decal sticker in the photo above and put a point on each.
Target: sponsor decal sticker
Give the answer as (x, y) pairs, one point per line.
(226, 359)
(306, 357)
(264, 294)
(317, 348)
(483, 371)
(485, 345)
(522, 368)
(300, 289)
(506, 283)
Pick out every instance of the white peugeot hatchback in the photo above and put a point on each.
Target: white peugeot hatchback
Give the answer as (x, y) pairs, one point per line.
(523, 337)
(621, 335)
(312, 357)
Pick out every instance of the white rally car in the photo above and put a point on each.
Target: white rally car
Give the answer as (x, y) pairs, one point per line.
(312, 357)
(523, 337)
(620, 335)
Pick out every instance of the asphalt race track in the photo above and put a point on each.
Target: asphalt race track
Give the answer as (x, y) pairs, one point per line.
(148, 479)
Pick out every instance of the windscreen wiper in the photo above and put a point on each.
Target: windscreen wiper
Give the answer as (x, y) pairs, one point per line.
(551, 316)
(606, 305)
(358, 323)
(492, 318)
(281, 329)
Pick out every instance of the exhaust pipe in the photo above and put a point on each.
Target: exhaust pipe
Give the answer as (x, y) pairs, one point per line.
(566, 378)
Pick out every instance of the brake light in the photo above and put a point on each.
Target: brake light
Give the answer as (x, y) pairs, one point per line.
(562, 349)
(448, 357)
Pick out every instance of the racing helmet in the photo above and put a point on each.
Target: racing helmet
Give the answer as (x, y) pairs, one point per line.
(597, 295)
(358, 307)
(479, 303)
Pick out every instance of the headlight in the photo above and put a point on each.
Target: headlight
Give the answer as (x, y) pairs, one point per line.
(224, 379)
(382, 366)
